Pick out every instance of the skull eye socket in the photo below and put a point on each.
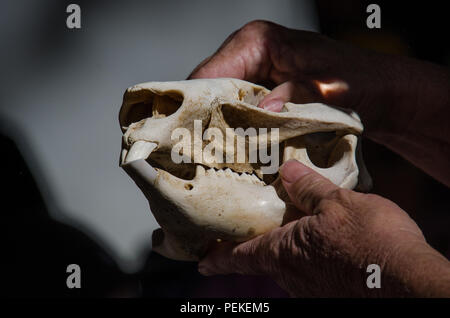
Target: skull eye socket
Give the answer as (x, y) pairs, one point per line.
(146, 104)
(323, 149)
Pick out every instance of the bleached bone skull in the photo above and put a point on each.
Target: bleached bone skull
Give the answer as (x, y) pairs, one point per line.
(201, 202)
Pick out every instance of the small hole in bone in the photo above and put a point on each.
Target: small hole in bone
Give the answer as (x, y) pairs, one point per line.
(188, 186)
(241, 94)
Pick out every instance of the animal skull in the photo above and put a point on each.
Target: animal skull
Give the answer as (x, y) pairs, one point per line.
(197, 203)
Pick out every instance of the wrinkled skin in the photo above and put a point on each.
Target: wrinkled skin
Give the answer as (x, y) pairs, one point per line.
(325, 248)
(326, 252)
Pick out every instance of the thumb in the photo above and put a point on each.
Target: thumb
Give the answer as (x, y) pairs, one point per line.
(305, 187)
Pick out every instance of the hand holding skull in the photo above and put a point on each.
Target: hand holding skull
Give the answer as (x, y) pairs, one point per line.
(329, 232)
(401, 101)
(189, 146)
(326, 252)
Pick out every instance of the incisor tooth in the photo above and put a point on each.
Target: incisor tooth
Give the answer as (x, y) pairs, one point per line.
(141, 149)
(124, 155)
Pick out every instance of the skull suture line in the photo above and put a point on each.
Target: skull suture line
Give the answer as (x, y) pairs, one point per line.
(200, 202)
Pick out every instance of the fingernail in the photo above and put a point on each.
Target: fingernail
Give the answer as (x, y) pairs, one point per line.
(292, 170)
(274, 105)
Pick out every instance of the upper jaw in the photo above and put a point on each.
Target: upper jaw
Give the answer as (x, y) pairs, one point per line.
(140, 151)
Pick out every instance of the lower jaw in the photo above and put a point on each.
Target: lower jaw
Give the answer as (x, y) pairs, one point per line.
(188, 172)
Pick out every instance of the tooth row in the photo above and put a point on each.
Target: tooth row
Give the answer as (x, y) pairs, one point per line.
(228, 173)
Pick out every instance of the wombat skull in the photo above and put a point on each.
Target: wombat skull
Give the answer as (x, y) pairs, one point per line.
(198, 201)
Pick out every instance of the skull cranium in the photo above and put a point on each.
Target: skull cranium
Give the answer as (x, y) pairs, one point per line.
(198, 202)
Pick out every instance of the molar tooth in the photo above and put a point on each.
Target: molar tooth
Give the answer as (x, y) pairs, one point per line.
(210, 172)
(245, 176)
(255, 178)
(221, 173)
(141, 149)
(229, 173)
(199, 171)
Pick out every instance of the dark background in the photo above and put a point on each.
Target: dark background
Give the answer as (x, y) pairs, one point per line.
(36, 247)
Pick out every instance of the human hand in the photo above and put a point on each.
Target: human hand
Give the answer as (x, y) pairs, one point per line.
(401, 101)
(326, 252)
(304, 66)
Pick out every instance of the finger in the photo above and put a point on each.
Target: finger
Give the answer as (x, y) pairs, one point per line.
(198, 67)
(291, 213)
(294, 92)
(199, 70)
(243, 55)
(221, 63)
(305, 187)
(254, 257)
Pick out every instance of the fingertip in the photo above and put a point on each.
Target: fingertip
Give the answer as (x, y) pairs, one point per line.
(274, 105)
(305, 187)
(292, 170)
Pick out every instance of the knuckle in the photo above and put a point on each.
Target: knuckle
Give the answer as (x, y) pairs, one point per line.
(256, 26)
(256, 31)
